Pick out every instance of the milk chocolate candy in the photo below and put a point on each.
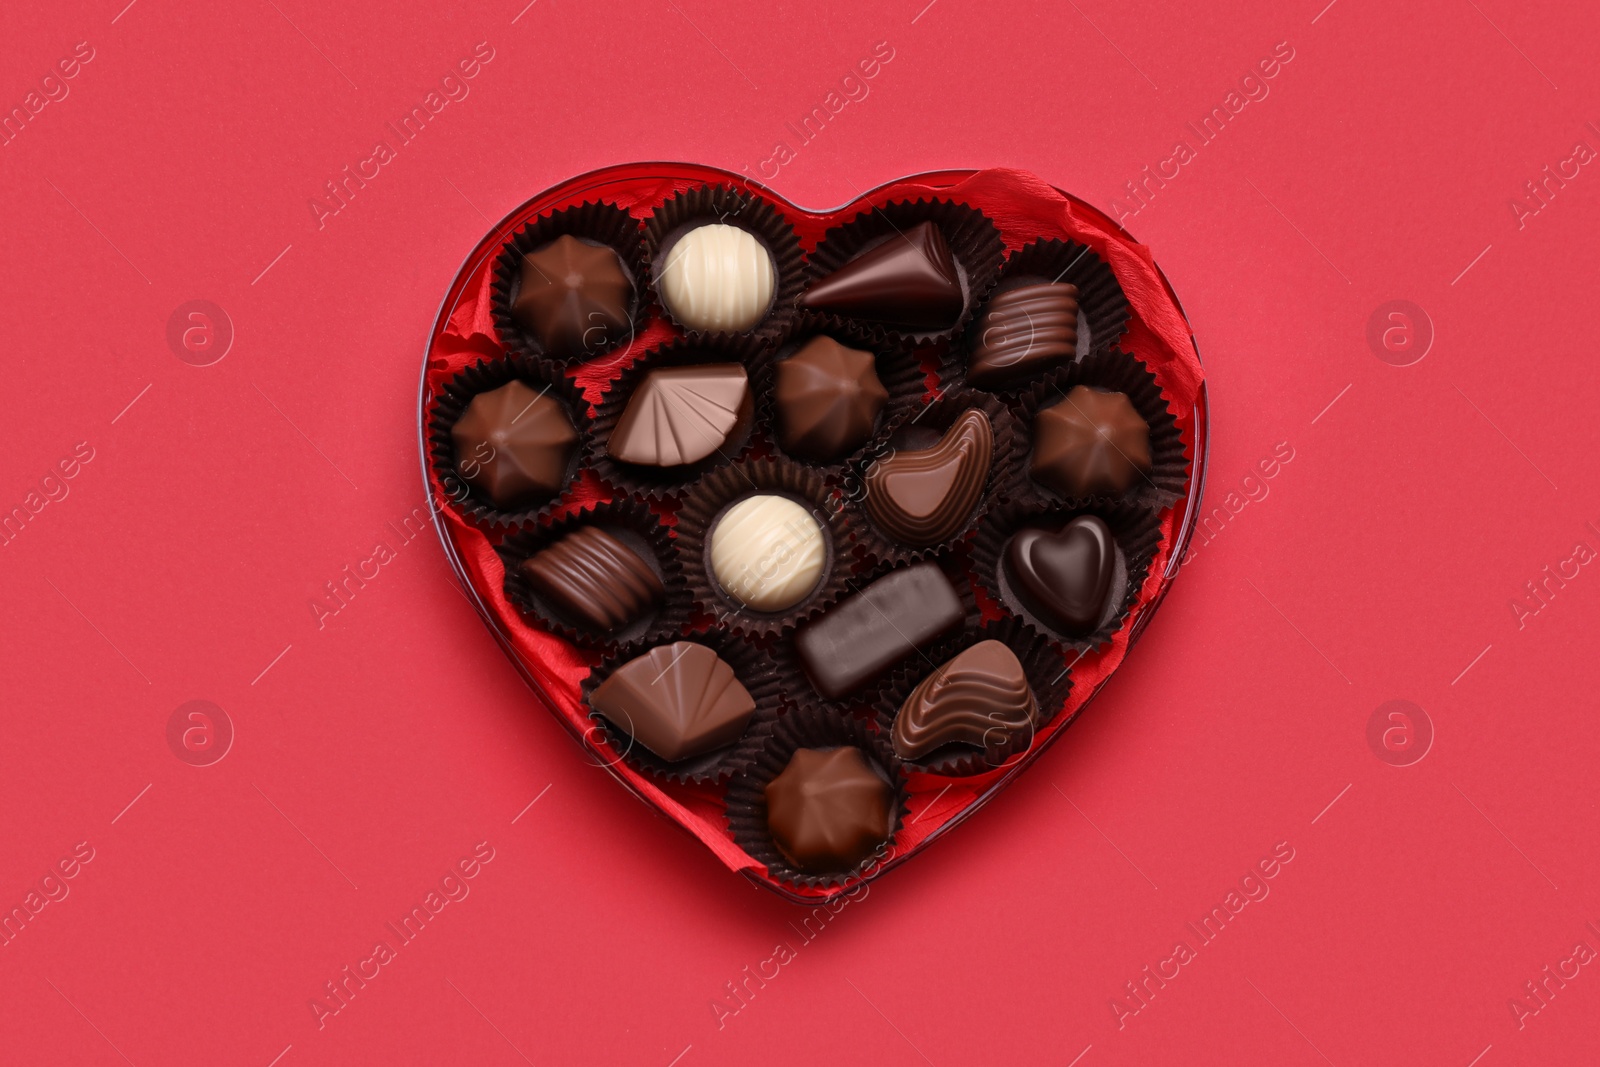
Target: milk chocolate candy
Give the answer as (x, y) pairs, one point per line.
(1091, 443)
(678, 700)
(978, 699)
(1024, 332)
(829, 810)
(574, 297)
(682, 415)
(867, 633)
(828, 398)
(594, 581)
(923, 497)
(513, 445)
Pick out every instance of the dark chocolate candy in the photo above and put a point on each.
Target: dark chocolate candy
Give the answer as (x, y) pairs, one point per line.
(829, 810)
(1063, 577)
(1091, 443)
(980, 698)
(574, 297)
(681, 415)
(594, 580)
(867, 633)
(923, 497)
(513, 444)
(828, 398)
(678, 700)
(1023, 332)
(910, 280)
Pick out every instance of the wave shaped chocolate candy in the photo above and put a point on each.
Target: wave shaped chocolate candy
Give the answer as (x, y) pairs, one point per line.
(594, 580)
(910, 280)
(923, 497)
(678, 700)
(1063, 577)
(1023, 332)
(979, 698)
(513, 444)
(717, 277)
(1093, 442)
(681, 415)
(829, 810)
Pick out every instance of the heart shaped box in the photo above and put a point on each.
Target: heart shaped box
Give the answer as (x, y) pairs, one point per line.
(1025, 209)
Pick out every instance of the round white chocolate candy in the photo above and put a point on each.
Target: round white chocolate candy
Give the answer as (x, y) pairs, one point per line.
(717, 277)
(767, 552)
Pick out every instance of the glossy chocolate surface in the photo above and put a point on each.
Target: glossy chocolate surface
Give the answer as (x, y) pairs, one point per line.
(909, 280)
(514, 445)
(1090, 443)
(828, 398)
(678, 700)
(594, 581)
(979, 698)
(1063, 577)
(574, 297)
(681, 415)
(867, 633)
(1024, 332)
(828, 810)
(924, 496)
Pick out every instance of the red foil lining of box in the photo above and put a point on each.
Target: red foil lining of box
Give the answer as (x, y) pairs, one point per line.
(1025, 209)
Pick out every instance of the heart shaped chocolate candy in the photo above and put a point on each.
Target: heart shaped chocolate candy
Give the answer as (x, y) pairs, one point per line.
(1063, 577)
(923, 497)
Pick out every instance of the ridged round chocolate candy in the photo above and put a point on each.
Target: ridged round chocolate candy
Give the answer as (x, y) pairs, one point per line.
(767, 552)
(717, 277)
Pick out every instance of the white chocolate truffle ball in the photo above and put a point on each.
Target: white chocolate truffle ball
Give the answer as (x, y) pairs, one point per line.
(767, 552)
(717, 277)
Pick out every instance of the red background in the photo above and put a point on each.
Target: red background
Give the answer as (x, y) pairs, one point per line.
(379, 750)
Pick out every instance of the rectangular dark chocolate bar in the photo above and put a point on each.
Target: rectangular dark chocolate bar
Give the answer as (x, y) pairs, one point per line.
(865, 634)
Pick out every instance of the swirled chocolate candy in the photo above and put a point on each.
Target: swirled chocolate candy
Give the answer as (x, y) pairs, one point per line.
(682, 415)
(717, 277)
(1063, 576)
(864, 635)
(909, 280)
(1023, 332)
(980, 698)
(828, 398)
(574, 297)
(594, 580)
(513, 445)
(678, 701)
(923, 497)
(1091, 443)
(767, 552)
(828, 810)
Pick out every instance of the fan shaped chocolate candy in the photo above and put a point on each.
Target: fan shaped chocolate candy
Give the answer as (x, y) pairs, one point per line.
(681, 415)
(678, 701)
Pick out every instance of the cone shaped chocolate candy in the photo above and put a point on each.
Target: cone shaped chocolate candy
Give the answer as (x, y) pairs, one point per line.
(978, 698)
(1092, 443)
(594, 580)
(681, 415)
(1063, 577)
(828, 398)
(679, 700)
(910, 280)
(513, 444)
(829, 809)
(1023, 332)
(923, 497)
(573, 297)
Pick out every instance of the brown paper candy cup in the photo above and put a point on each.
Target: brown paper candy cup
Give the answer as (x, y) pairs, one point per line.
(1049, 679)
(1116, 371)
(714, 494)
(670, 483)
(897, 364)
(593, 223)
(613, 741)
(636, 526)
(921, 429)
(765, 755)
(750, 211)
(973, 238)
(1135, 531)
(450, 403)
(1102, 306)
